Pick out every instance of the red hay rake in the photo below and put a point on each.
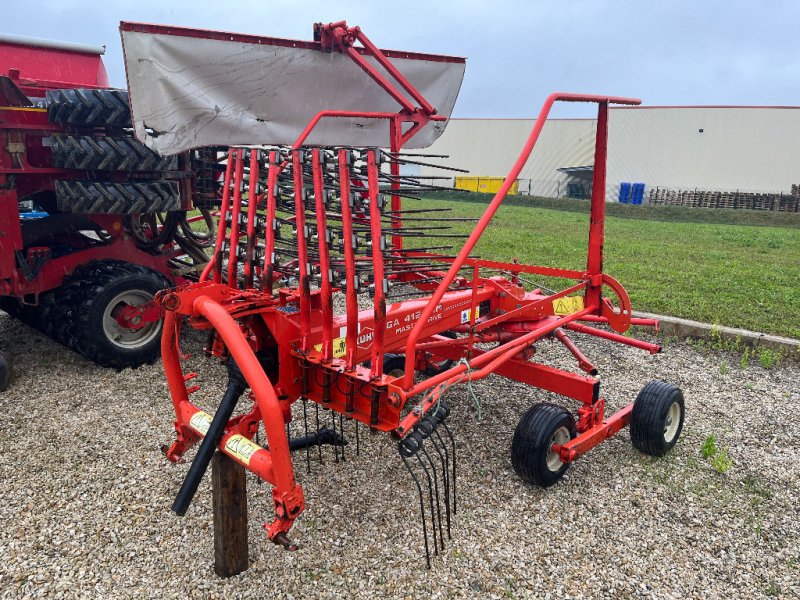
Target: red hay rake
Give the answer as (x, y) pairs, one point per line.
(298, 224)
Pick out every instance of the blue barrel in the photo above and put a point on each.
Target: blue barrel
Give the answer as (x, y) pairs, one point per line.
(637, 194)
(624, 192)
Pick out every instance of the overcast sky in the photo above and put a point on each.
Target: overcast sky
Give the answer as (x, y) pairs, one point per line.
(668, 52)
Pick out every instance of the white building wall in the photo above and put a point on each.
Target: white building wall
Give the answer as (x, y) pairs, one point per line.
(750, 149)
(489, 147)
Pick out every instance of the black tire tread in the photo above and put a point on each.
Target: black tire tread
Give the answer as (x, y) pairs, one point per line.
(90, 283)
(646, 426)
(107, 153)
(531, 436)
(104, 197)
(89, 107)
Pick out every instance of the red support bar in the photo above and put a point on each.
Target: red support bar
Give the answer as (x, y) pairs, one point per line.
(392, 70)
(376, 235)
(269, 226)
(252, 207)
(594, 262)
(222, 227)
(351, 302)
(324, 259)
(583, 362)
(236, 207)
(594, 436)
(614, 337)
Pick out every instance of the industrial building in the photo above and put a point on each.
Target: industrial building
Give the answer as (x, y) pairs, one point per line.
(717, 149)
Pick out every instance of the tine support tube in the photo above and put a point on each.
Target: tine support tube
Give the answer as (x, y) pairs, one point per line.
(302, 251)
(233, 243)
(351, 302)
(324, 259)
(269, 237)
(223, 219)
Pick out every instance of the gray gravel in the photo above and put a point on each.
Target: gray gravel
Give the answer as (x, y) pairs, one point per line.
(86, 495)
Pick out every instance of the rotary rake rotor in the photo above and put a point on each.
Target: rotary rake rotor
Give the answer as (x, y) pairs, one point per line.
(300, 223)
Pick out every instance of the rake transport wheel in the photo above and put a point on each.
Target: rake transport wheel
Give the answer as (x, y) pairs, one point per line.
(531, 448)
(433, 367)
(91, 304)
(105, 153)
(105, 197)
(394, 365)
(89, 107)
(657, 418)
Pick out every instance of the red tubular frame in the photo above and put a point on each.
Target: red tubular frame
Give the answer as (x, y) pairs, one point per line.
(269, 229)
(598, 197)
(302, 250)
(376, 234)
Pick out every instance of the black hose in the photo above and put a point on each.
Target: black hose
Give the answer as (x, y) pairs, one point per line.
(235, 389)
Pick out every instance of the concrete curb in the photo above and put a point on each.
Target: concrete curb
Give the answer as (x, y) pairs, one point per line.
(684, 328)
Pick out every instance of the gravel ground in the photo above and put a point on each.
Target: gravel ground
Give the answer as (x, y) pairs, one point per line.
(86, 495)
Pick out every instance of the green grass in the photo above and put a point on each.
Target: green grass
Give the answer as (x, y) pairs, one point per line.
(735, 268)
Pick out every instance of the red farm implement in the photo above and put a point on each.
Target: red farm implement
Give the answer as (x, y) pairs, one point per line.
(92, 222)
(302, 225)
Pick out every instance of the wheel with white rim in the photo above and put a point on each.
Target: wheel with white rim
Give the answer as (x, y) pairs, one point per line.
(102, 326)
(532, 449)
(657, 418)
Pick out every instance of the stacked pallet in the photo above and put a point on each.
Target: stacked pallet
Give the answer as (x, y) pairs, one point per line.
(720, 199)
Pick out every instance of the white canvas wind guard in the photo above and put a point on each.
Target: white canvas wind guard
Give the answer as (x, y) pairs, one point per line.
(191, 88)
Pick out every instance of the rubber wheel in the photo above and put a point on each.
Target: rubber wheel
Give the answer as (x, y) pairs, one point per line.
(394, 365)
(89, 107)
(434, 368)
(103, 197)
(657, 418)
(94, 297)
(104, 153)
(531, 448)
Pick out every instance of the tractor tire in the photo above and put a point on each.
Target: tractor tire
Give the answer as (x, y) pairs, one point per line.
(89, 107)
(394, 365)
(90, 301)
(105, 153)
(103, 197)
(538, 429)
(657, 418)
(434, 368)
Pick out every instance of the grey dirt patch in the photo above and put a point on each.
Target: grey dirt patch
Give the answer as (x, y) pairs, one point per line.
(85, 499)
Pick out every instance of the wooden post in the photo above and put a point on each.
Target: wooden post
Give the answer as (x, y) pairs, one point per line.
(229, 491)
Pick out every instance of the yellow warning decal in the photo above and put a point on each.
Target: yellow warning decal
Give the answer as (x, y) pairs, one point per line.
(339, 347)
(200, 422)
(241, 448)
(568, 305)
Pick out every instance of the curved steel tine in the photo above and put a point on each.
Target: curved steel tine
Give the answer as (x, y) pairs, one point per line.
(436, 488)
(341, 430)
(319, 446)
(335, 449)
(305, 428)
(453, 443)
(421, 509)
(430, 496)
(443, 455)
